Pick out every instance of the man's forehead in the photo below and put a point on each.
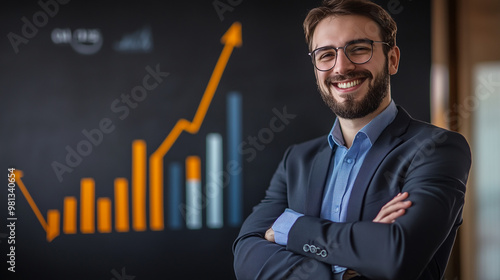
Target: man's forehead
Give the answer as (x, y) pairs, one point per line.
(341, 29)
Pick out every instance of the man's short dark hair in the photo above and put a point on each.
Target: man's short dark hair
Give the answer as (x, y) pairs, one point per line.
(386, 23)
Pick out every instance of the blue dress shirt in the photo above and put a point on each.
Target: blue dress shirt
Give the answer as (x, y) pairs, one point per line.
(346, 165)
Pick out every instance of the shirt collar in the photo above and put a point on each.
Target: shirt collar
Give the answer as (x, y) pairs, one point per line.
(372, 130)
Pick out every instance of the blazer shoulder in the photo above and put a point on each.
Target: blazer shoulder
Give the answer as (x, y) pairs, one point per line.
(411, 128)
(312, 146)
(419, 128)
(305, 151)
(427, 138)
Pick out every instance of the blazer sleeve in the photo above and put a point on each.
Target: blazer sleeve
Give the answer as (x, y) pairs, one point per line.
(257, 258)
(435, 180)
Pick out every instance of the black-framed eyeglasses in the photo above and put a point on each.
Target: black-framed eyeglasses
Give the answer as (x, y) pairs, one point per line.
(357, 51)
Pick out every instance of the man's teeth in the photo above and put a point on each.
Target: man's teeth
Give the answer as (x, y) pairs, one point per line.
(349, 84)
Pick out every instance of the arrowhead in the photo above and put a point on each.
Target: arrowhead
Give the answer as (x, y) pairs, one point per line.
(233, 35)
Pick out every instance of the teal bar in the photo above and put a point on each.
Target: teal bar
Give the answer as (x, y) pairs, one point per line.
(214, 181)
(234, 138)
(175, 196)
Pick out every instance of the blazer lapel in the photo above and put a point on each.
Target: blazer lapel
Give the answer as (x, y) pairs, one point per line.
(389, 139)
(317, 181)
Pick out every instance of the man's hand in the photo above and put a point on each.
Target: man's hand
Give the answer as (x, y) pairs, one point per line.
(270, 235)
(393, 209)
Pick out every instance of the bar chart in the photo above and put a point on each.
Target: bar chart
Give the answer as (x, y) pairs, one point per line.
(189, 201)
(96, 214)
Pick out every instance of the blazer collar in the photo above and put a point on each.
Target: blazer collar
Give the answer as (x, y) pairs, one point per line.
(317, 180)
(387, 141)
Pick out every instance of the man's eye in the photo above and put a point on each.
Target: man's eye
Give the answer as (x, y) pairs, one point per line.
(359, 49)
(327, 55)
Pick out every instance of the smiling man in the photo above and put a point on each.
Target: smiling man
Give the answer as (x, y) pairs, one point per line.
(379, 197)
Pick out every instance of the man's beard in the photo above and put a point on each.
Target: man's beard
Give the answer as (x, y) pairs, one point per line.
(351, 109)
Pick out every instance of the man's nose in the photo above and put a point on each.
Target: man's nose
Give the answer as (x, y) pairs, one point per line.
(343, 65)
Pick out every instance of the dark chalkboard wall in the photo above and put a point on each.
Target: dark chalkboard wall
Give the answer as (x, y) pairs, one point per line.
(53, 87)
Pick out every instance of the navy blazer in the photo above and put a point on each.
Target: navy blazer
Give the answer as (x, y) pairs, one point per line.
(430, 163)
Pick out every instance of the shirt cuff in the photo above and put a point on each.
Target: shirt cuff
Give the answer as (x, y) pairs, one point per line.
(283, 225)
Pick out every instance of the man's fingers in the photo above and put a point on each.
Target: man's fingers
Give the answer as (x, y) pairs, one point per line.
(396, 199)
(393, 209)
(270, 235)
(391, 218)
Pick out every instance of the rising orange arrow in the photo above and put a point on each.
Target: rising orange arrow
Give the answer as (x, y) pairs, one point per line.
(231, 39)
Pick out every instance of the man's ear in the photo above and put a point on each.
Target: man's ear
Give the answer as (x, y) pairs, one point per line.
(393, 57)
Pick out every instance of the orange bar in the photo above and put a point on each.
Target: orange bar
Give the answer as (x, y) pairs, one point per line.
(87, 205)
(139, 185)
(53, 224)
(69, 222)
(156, 218)
(193, 168)
(121, 205)
(104, 214)
(193, 193)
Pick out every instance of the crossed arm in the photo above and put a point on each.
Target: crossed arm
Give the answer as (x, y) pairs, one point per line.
(387, 215)
(301, 267)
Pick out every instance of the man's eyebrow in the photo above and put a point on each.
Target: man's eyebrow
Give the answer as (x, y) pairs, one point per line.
(359, 39)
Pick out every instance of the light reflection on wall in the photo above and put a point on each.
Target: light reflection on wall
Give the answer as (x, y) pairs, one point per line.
(486, 163)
